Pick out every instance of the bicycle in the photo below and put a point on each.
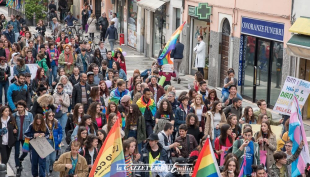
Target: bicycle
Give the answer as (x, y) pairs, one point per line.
(93, 43)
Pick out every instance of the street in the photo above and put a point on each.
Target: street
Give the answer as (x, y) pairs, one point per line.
(134, 60)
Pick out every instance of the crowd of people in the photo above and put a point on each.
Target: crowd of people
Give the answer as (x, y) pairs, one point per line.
(78, 94)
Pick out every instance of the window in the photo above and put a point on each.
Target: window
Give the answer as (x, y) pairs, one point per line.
(178, 18)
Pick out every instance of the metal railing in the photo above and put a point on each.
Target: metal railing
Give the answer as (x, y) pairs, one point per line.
(20, 12)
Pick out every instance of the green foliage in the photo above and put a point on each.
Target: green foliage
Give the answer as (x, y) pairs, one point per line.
(36, 6)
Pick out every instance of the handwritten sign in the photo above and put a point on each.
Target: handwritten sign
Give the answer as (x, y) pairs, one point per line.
(167, 68)
(292, 85)
(42, 146)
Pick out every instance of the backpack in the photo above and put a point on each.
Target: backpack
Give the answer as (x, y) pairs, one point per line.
(2, 74)
(231, 148)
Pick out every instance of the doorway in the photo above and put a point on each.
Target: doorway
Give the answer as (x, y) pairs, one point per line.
(97, 11)
(262, 68)
(159, 30)
(224, 51)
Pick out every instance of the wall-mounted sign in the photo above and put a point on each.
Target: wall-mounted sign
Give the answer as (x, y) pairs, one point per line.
(261, 28)
(192, 11)
(203, 11)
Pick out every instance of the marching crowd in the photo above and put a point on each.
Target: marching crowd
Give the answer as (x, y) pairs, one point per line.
(78, 94)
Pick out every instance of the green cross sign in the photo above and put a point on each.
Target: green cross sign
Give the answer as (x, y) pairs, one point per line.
(203, 11)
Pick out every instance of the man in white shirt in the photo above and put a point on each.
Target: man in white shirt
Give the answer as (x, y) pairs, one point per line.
(115, 20)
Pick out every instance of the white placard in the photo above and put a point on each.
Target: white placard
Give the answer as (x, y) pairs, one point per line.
(167, 68)
(285, 99)
(42, 146)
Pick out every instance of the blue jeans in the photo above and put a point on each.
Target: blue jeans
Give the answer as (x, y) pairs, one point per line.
(112, 42)
(53, 74)
(5, 85)
(16, 36)
(17, 151)
(63, 122)
(37, 162)
(50, 159)
(217, 133)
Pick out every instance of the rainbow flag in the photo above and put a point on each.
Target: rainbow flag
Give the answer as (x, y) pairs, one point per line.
(164, 57)
(206, 165)
(26, 145)
(110, 155)
(297, 134)
(242, 174)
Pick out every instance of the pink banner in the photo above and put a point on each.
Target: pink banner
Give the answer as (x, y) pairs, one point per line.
(222, 160)
(263, 157)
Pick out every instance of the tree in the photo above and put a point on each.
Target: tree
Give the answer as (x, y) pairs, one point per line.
(35, 6)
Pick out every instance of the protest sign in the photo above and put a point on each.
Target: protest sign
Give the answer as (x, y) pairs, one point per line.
(33, 71)
(277, 130)
(224, 152)
(292, 85)
(167, 68)
(42, 146)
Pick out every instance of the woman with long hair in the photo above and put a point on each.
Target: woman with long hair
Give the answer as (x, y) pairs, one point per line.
(26, 39)
(135, 125)
(193, 126)
(81, 136)
(23, 53)
(90, 150)
(137, 89)
(164, 112)
(97, 58)
(200, 110)
(198, 79)
(94, 110)
(121, 73)
(136, 79)
(111, 121)
(92, 25)
(43, 104)
(119, 57)
(225, 139)
(54, 139)
(192, 95)
(74, 119)
(264, 118)
(38, 42)
(94, 96)
(215, 117)
(88, 124)
(233, 122)
(101, 138)
(112, 108)
(130, 156)
(8, 49)
(248, 116)
(195, 153)
(37, 129)
(20, 67)
(67, 59)
(266, 140)
(39, 79)
(231, 168)
(104, 92)
(130, 84)
(15, 48)
(8, 137)
(212, 96)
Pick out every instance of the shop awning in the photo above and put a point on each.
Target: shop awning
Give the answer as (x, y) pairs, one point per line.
(151, 5)
(301, 26)
(299, 45)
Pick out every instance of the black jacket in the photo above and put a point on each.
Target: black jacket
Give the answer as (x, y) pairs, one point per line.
(86, 155)
(34, 53)
(10, 36)
(177, 52)
(12, 136)
(96, 60)
(22, 21)
(84, 16)
(52, 6)
(7, 71)
(103, 21)
(77, 93)
(73, 80)
(2, 52)
(41, 30)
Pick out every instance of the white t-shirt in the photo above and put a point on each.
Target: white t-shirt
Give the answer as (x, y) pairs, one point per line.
(91, 153)
(5, 137)
(217, 119)
(115, 20)
(199, 114)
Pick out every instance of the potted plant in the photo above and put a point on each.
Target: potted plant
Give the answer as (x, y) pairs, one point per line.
(31, 7)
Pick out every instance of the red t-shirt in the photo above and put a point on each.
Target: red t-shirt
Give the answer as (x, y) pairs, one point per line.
(218, 147)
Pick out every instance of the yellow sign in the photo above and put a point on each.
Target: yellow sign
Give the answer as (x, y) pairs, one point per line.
(277, 130)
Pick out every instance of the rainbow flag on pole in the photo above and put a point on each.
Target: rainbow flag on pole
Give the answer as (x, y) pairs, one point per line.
(164, 57)
(206, 165)
(110, 155)
(297, 134)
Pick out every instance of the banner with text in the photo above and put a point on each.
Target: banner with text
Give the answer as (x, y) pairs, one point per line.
(285, 99)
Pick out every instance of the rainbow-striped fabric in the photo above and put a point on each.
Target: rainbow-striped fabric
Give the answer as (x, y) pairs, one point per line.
(110, 155)
(116, 96)
(26, 145)
(206, 165)
(150, 105)
(164, 57)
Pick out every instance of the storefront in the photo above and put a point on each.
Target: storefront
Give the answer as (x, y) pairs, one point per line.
(261, 59)
(299, 47)
(121, 15)
(132, 23)
(199, 27)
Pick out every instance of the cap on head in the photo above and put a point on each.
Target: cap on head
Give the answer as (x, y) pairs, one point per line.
(153, 137)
